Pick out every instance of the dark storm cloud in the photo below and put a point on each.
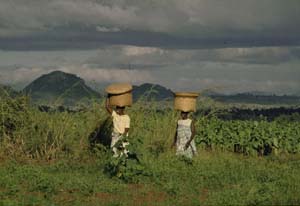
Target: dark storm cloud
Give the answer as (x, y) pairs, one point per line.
(62, 40)
(241, 45)
(189, 24)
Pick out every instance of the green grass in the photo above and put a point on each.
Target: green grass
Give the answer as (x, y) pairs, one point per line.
(49, 159)
(211, 179)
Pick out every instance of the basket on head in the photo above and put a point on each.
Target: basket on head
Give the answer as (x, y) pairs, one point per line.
(120, 94)
(185, 101)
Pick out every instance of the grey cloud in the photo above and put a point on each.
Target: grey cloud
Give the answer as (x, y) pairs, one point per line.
(233, 77)
(72, 24)
(22, 75)
(253, 55)
(80, 38)
(105, 29)
(152, 58)
(232, 69)
(248, 44)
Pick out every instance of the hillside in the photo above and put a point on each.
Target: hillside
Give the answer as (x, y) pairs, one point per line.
(257, 99)
(60, 88)
(149, 91)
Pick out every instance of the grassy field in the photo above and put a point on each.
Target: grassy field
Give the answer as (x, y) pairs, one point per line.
(212, 179)
(58, 159)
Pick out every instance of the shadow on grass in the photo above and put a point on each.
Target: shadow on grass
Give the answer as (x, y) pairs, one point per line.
(101, 134)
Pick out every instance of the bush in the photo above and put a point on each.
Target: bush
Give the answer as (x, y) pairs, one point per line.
(127, 167)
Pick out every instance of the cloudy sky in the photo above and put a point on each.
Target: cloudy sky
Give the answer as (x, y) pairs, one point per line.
(224, 45)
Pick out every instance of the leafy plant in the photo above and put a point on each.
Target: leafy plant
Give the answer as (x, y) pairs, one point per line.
(127, 167)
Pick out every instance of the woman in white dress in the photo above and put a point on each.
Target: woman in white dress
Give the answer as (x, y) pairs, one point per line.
(184, 136)
(121, 125)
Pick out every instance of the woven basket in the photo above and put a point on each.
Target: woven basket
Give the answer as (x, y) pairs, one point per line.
(185, 101)
(120, 94)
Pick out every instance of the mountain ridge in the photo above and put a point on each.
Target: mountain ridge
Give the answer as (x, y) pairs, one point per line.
(60, 88)
(149, 91)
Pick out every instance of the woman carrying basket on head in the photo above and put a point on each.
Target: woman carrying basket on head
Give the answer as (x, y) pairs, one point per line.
(185, 131)
(119, 95)
(184, 136)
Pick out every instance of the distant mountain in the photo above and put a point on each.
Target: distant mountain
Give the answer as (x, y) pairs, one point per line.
(59, 88)
(259, 93)
(257, 98)
(7, 91)
(149, 91)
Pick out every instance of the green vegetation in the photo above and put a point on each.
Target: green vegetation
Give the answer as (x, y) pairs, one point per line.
(265, 99)
(57, 159)
(250, 137)
(6, 91)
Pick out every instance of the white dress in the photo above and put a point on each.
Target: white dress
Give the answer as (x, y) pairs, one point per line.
(184, 134)
(120, 123)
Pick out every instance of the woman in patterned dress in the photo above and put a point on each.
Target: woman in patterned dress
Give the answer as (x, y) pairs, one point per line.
(184, 136)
